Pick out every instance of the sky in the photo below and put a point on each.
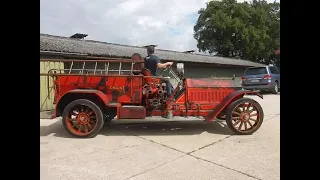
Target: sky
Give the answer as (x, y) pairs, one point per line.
(166, 23)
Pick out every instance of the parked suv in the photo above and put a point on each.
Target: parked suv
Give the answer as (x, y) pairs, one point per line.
(265, 78)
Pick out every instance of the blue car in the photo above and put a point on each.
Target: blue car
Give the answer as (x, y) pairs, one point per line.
(265, 79)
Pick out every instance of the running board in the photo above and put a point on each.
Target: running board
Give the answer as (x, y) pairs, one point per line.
(132, 112)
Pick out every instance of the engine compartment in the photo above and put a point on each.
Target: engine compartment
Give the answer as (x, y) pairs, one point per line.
(154, 95)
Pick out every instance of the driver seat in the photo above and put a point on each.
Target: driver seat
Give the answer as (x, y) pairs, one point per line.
(149, 80)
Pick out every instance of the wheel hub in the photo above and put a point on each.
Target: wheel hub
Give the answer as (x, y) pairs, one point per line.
(245, 117)
(83, 118)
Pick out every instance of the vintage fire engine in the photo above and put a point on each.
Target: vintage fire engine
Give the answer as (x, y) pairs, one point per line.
(89, 93)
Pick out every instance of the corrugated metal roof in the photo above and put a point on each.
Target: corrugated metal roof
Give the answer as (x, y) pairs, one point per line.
(96, 48)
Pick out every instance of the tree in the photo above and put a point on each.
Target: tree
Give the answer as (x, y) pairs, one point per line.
(240, 30)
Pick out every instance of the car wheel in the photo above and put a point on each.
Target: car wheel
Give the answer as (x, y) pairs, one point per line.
(275, 89)
(82, 118)
(244, 116)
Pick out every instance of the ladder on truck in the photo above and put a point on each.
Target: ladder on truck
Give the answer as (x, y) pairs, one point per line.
(92, 67)
(95, 67)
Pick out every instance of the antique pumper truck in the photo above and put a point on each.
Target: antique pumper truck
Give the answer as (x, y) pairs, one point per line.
(89, 93)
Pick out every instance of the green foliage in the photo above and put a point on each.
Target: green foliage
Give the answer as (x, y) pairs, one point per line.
(240, 30)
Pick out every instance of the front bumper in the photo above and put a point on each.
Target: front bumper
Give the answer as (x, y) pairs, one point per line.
(259, 87)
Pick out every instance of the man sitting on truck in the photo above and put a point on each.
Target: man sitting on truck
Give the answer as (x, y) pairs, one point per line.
(152, 63)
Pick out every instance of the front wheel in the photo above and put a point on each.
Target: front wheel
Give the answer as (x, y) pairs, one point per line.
(82, 118)
(244, 116)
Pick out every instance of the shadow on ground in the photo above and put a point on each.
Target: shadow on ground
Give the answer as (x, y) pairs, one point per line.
(146, 128)
(46, 114)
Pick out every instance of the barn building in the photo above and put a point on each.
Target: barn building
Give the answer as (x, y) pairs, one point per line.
(76, 47)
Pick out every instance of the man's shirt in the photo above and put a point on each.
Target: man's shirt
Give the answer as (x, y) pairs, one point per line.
(151, 63)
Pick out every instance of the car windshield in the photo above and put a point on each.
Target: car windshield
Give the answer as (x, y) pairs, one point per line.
(255, 71)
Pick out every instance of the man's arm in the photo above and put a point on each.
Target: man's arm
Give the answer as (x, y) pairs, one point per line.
(163, 65)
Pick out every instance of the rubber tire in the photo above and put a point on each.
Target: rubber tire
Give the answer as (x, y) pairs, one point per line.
(94, 107)
(273, 90)
(229, 115)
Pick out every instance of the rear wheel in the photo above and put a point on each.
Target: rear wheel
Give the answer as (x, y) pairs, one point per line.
(244, 116)
(83, 118)
(275, 89)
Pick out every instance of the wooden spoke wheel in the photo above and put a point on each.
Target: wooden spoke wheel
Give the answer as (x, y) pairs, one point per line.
(244, 116)
(83, 118)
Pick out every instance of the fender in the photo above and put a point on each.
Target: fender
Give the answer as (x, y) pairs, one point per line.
(60, 101)
(230, 98)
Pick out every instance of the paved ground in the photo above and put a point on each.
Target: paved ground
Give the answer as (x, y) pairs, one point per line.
(186, 150)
